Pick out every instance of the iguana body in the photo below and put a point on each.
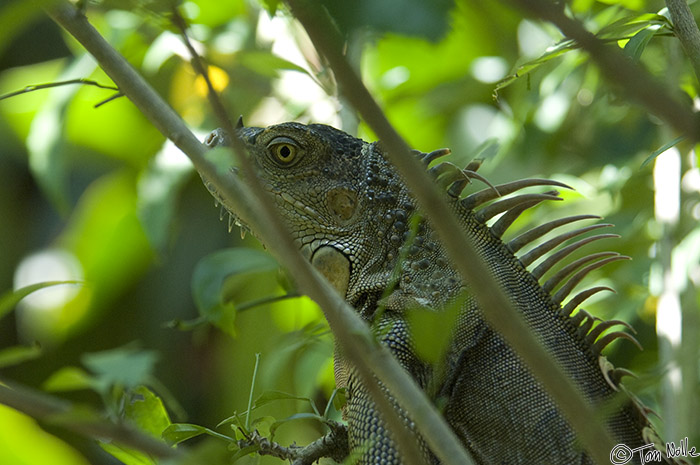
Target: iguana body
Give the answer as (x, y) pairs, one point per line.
(351, 215)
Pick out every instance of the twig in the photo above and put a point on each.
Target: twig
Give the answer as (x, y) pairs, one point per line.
(686, 30)
(35, 87)
(202, 69)
(58, 411)
(629, 77)
(350, 330)
(497, 308)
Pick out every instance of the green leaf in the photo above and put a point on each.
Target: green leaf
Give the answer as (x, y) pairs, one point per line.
(157, 189)
(408, 17)
(530, 66)
(18, 354)
(629, 25)
(267, 63)
(240, 453)
(263, 425)
(661, 150)
(295, 417)
(271, 396)
(178, 432)
(340, 399)
(146, 410)
(486, 150)
(232, 266)
(69, 379)
(428, 330)
(126, 366)
(25, 442)
(235, 420)
(635, 46)
(46, 142)
(10, 299)
(126, 455)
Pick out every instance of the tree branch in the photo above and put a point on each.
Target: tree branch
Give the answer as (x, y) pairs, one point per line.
(497, 308)
(628, 76)
(686, 30)
(358, 345)
(63, 413)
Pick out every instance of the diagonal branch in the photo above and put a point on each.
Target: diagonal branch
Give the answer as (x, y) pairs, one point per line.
(359, 346)
(498, 309)
(627, 76)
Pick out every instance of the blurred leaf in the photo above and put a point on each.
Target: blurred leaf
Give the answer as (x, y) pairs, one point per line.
(409, 17)
(10, 299)
(18, 354)
(635, 46)
(271, 6)
(244, 451)
(234, 421)
(263, 425)
(45, 142)
(266, 63)
(530, 66)
(340, 399)
(126, 366)
(158, 188)
(134, 140)
(69, 378)
(230, 266)
(126, 455)
(486, 150)
(629, 25)
(215, 13)
(661, 150)
(15, 16)
(108, 239)
(429, 330)
(179, 432)
(295, 417)
(271, 396)
(146, 410)
(23, 441)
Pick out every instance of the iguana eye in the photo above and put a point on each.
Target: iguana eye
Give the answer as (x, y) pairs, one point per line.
(284, 150)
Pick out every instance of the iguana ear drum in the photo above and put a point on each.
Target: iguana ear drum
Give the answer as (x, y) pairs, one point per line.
(342, 203)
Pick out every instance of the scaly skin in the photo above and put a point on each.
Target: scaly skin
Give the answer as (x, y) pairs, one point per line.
(352, 216)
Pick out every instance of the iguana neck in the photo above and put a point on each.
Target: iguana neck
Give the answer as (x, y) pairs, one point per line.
(399, 262)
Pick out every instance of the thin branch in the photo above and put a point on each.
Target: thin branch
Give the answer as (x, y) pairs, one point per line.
(403, 437)
(35, 87)
(497, 308)
(628, 76)
(686, 30)
(358, 345)
(60, 412)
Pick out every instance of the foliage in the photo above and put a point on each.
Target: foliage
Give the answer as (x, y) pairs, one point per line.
(100, 185)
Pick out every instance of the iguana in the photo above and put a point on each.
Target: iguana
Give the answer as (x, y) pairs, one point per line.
(353, 217)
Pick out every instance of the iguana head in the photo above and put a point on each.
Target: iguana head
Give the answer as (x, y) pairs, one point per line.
(321, 181)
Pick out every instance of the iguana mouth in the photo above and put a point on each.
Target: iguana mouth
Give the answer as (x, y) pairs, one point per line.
(233, 219)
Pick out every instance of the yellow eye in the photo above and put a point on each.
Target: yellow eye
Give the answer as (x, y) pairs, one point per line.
(283, 150)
